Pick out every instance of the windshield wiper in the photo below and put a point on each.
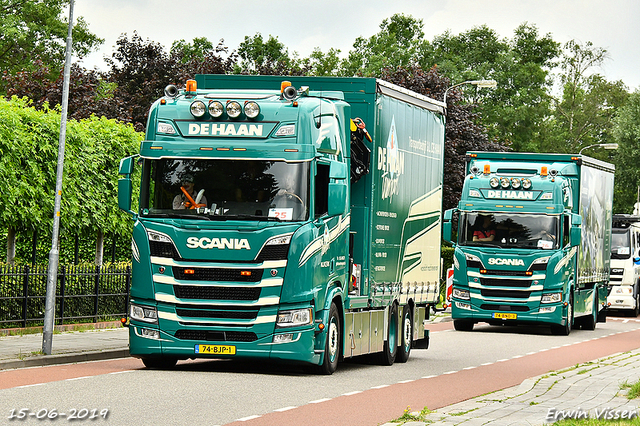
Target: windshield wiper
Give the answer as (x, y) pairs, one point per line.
(244, 217)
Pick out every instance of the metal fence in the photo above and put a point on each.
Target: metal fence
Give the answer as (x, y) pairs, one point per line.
(83, 293)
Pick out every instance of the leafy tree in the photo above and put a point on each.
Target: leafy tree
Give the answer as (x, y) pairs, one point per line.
(584, 114)
(265, 57)
(626, 132)
(395, 45)
(322, 64)
(37, 29)
(517, 109)
(29, 143)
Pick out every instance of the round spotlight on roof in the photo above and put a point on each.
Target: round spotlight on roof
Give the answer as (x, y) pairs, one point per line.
(494, 182)
(198, 109)
(234, 109)
(515, 183)
(504, 182)
(251, 109)
(216, 109)
(526, 183)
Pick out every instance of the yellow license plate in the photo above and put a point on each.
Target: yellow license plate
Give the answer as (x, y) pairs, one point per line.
(503, 315)
(215, 349)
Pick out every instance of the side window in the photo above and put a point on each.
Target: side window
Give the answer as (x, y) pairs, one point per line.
(565, 233)
(322, 190)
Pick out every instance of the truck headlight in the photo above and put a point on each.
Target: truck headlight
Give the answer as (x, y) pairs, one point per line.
(461, 294)
(143, 313)
(551, 298)
(294, 317)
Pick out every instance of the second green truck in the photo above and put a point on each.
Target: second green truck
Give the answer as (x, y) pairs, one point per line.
(533, 242)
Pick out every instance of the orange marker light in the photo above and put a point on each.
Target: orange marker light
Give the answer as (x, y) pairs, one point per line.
(189, 271)
(284, 85)
(487, 169)
(543, 171)
(245, 273)
(192, 86)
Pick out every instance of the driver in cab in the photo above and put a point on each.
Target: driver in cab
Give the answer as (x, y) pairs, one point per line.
(487, 232)
(188, 197)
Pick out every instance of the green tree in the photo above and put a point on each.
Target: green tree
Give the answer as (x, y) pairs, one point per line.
(584, 114)
(265, 57)
(626, 132)
(31, 29)
(395, 45)
(517, 110)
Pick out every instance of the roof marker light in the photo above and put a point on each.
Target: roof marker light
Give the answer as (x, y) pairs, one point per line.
(192, 86)
(543, 171)
(487, 169)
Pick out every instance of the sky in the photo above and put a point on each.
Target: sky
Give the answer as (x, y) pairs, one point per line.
(303, 25)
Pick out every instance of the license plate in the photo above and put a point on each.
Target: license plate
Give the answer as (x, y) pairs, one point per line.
(216, 349)
(503, 315)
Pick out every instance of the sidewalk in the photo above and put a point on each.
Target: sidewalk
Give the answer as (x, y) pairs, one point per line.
(587, 390)
(67, 347)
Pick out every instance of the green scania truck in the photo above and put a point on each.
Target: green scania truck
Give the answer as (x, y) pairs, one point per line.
(297, 221)
(533, 242)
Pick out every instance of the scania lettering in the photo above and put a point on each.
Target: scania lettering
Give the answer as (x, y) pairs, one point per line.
(533, 241)
(296, 221)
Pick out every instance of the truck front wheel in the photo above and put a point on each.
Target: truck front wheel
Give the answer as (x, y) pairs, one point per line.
(332, 344)
(159, 363)
(463, 325)
(565, 330)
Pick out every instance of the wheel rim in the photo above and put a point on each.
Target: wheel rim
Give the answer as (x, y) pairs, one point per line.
(333, 340)
(407, 332)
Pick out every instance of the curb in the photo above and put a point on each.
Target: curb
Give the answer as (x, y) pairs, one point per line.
(45, 360)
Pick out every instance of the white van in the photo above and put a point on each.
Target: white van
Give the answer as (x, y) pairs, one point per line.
(624, 284)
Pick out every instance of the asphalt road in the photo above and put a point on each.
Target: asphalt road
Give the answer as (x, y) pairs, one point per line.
(458, 365)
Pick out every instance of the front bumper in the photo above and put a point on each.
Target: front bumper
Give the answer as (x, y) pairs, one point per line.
(552, 313)
(299, 349)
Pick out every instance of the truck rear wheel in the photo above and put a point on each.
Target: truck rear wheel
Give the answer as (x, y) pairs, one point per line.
(332, 344)
(390, 347)
(160, 363)
(406, 339)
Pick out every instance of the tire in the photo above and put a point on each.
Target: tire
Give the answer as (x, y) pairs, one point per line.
(390, 347)
(463, 325)
(636, 310)
(160, 363)
(565, 330)
(406, 337)
(589, 323)
(332, 343)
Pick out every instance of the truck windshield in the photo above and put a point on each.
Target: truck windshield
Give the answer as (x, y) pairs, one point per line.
(620, 244)
(531, 231)
(225, 189)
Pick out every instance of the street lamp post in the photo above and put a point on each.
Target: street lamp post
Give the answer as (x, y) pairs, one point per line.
(601, 145)
(477, 83)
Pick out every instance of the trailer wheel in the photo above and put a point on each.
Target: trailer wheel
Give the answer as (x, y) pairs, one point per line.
(390, 347)
(463, 325)
(565, 330)
(332, 344)
(406, 339)
(157, 363)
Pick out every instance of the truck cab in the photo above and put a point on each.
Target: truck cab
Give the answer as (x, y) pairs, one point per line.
(624, 286)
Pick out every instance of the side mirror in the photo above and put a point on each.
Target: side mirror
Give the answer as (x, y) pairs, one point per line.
(125, 187)
(446, 226)
(337, 199)
(575, 235)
